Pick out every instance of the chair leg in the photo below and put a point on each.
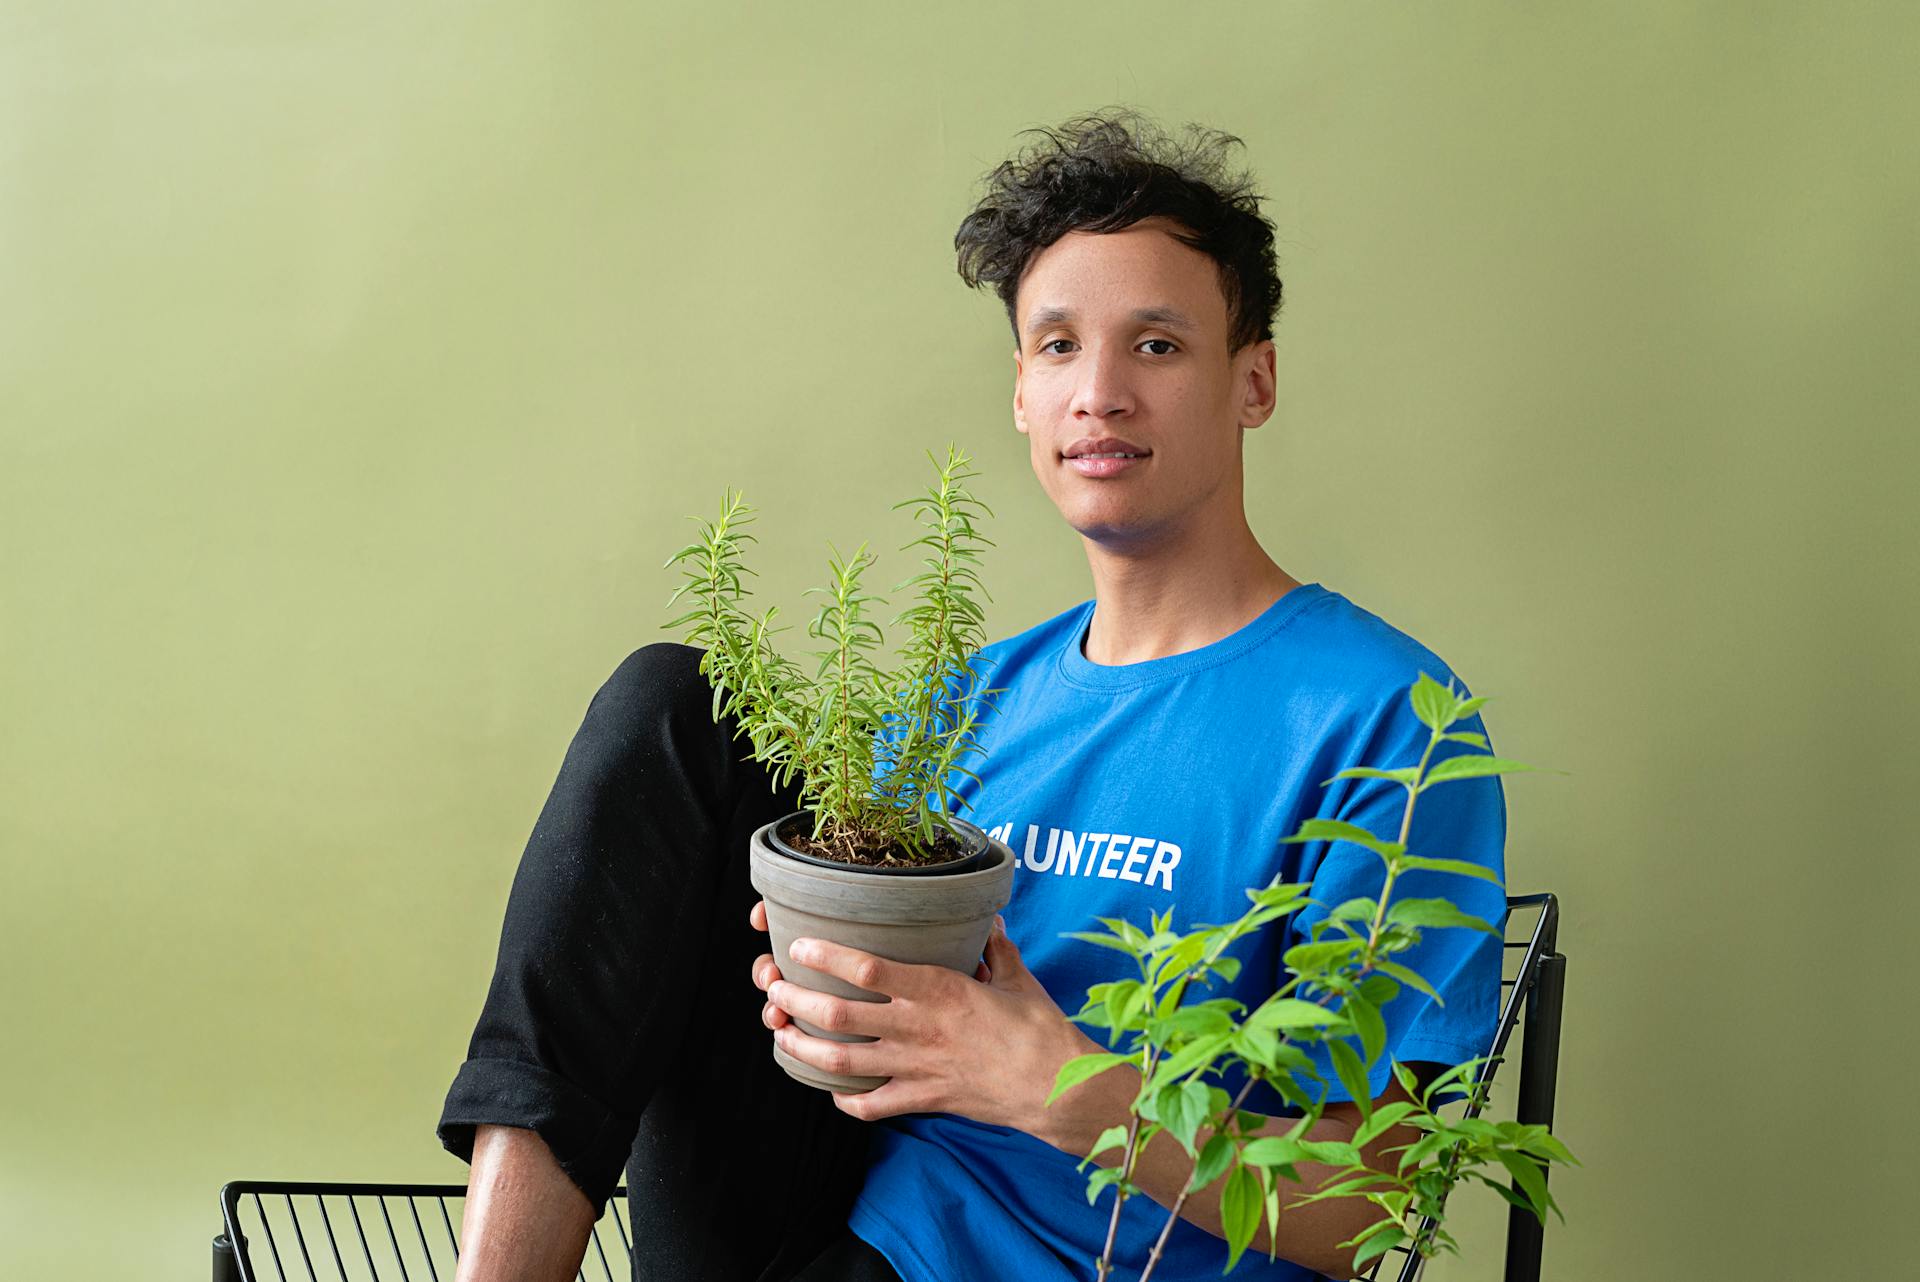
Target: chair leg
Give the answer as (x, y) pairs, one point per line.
(226, 1264)
(1539, 1072)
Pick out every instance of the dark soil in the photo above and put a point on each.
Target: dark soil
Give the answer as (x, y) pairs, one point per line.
(797, 833)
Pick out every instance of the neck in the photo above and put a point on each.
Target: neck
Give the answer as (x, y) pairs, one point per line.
(1183, 591)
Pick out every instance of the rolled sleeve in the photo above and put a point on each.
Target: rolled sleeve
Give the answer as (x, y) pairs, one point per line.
(588, 1140)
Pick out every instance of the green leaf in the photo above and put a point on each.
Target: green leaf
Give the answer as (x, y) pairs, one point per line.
(1201, 1050)
(1366, 1020)
(1135, 937)
(1432, 703)
(1104, 941)
(1461, 866)
(1405, 774)
(1331, 1152)
(1215, 1156)
(1280, 896)
(1548, 1147)
(1125, 1000)
(1199, 1019)
(1465, 736)
(1082, 1067)
(1101, 1178)
(1527, 1174)
(1354, 910)
(1182, 1107)
(1388, 1238)
(1239, 1212)
(1435, 913)
(1273, 1216)
(1382, 1120)
(1291, 1012)
(1408, 977)
(1506, 1192)
(1257, 1046)
(1303, 959)
(1353, 1075)
(1379, 989)
(1272, 1150)
(1113, 1137)
(1470, 767)
(1340, 830)
(1178, 957)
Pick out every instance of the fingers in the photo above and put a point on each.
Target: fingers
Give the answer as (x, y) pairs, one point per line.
(757, 915)
(764, 974)
(857, 1059)
(862, 970)
(832, 1014)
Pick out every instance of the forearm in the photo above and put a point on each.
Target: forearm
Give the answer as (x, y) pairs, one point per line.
(525, 1220)
(1309, 1234)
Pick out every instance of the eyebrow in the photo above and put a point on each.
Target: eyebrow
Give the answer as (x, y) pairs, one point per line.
(1151, 315)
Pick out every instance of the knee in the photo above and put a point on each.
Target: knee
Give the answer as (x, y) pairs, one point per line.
(659, 682)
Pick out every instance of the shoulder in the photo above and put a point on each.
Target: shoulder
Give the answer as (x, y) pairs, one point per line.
(1362, 655)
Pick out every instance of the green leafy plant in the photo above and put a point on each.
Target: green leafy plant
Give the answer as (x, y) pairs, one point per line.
(876, 749)
(1338, 982)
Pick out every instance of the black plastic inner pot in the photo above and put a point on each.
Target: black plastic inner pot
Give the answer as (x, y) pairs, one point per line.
(979, 857)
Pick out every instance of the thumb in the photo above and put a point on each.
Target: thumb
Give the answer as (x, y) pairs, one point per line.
(1001, 950)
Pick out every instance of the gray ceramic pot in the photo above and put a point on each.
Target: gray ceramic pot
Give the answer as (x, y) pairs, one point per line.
(925, 919)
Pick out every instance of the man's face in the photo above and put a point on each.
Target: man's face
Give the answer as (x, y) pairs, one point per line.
(1123, 335)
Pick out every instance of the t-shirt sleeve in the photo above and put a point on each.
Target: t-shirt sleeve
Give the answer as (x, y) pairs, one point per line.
(1464, 819)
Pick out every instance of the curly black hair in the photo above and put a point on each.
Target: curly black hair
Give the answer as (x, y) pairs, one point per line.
(1106, 170)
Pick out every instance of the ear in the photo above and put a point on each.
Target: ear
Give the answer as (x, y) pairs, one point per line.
(1019, 411)
(1259, 392)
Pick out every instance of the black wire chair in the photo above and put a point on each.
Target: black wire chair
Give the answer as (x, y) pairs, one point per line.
(427, 1248)
(1535, 987)
(414, 1239)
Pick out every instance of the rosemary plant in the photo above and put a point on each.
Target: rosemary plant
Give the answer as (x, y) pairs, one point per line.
(1339, 981)
(876, 749)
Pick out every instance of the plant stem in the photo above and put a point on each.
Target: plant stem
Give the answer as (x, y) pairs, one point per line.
(1406, 828)
(1105, 1264)
(1166, 1229)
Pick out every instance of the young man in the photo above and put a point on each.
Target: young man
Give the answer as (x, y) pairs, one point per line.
(1200, 698)
(1151, 747)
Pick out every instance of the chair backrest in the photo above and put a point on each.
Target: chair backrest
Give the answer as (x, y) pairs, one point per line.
(280, 1231)
(1534, 973)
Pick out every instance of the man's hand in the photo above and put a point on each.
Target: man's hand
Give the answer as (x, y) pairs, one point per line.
(986, 1047)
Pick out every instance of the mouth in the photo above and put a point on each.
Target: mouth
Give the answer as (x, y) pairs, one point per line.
(1104, 456)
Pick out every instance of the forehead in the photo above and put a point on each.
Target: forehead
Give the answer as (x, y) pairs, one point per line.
(1103, 277)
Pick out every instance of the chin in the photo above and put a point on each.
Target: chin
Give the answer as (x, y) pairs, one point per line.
(1108, 523)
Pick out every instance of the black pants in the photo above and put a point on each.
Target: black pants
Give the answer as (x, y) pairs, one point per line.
(622, 1023)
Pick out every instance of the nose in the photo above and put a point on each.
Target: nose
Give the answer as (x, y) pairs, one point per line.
(1103, 390)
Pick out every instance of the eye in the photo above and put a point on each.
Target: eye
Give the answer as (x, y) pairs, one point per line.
(1047, 346)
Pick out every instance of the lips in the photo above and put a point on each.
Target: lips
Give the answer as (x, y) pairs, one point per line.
(1103, 445)
(1083, 456)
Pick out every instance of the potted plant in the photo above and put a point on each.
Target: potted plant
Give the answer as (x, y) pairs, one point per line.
(1340, 980)
(876, 858)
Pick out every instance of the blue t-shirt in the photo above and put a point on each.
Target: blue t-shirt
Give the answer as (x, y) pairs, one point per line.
(1127, 789)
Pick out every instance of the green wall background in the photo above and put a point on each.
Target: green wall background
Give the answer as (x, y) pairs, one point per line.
(360, 365)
